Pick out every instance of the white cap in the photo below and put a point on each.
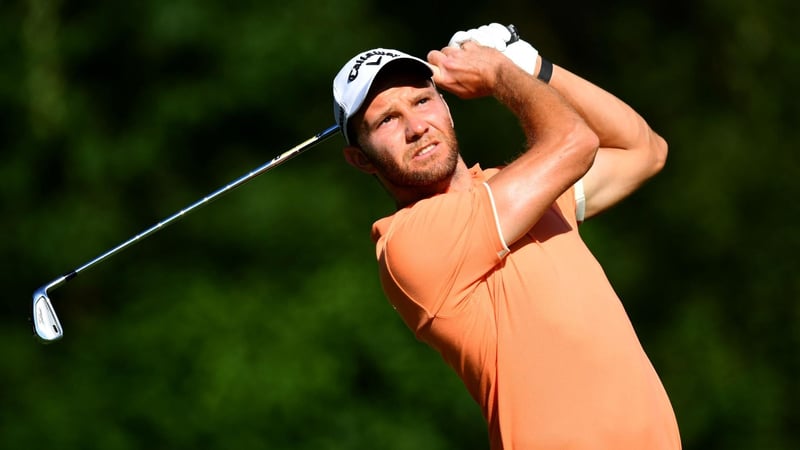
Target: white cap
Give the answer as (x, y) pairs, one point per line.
(352, 83)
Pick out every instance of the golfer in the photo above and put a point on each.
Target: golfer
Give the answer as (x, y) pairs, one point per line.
(486, 265)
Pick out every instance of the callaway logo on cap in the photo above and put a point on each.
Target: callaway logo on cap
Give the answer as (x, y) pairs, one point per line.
(352, 83)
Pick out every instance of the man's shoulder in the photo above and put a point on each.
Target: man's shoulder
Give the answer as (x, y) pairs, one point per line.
(444, 209)
(432, 215)
(382, 226)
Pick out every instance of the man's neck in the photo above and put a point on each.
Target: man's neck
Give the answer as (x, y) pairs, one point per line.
(461, 180)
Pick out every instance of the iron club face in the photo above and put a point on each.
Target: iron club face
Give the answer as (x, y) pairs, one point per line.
(45, 321)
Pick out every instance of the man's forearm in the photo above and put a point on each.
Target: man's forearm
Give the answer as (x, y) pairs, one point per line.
(542, 111)
(616, 124)
(561, 148)
(630, 151)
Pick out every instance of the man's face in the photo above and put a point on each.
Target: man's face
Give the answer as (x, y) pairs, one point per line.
(407, 133)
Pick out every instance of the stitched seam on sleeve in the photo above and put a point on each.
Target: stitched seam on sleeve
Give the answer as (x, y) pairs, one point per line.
(505, 249)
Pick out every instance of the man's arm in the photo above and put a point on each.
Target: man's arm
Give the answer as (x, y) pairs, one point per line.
(630, 151)
(561, 146)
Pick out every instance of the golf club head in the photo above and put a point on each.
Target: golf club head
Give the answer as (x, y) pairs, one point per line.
(45, 321)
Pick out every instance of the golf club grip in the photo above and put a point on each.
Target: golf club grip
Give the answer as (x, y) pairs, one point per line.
(514, 34)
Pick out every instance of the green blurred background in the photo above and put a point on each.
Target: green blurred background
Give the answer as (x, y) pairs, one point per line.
(258, 322)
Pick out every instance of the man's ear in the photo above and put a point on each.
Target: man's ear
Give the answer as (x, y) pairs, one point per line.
(356, 158)
(452, 122)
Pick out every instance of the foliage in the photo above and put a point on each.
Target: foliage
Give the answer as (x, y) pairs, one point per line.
(259, 321)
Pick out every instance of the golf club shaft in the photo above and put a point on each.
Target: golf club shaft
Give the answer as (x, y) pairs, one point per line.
(283, 157)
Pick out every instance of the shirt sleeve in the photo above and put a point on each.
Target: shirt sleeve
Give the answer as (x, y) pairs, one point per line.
(580, 201)
(438, 250)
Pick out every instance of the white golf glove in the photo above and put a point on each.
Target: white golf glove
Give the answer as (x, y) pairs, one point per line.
(497, 36)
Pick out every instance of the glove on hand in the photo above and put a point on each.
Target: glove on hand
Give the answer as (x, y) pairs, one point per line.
(497, 36)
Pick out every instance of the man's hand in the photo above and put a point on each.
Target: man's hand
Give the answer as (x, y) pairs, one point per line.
(498, 36)
(493, 35)
(468, 71)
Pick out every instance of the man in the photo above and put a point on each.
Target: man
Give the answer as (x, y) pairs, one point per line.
(487, 266)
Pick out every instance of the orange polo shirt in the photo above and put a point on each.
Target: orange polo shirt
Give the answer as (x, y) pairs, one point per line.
(534, 330)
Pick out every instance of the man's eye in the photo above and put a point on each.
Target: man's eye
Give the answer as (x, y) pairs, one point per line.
(424, 100)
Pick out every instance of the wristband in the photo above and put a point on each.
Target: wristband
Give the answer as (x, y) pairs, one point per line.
(545, 71)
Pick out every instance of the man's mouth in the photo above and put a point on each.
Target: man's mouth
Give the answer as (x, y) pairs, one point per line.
(425, 150)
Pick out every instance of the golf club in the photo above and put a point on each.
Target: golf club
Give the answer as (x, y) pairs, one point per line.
(45, 321)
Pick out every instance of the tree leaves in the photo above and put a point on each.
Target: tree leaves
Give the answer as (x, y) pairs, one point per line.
(259, 320)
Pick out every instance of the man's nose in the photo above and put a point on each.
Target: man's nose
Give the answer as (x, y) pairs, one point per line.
(416, 127)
